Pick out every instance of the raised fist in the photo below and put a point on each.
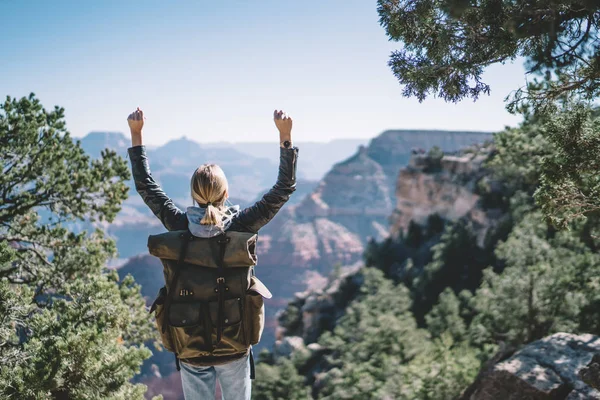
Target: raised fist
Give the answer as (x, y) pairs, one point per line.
(136, 121)
(283, 122)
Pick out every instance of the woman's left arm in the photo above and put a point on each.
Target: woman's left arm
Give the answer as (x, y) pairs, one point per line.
(150, 191)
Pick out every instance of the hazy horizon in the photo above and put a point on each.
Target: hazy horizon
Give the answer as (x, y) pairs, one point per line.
(300, 140)
(215, 72)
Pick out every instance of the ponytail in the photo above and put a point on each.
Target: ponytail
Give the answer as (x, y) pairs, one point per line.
(209, 189)
(212, 216)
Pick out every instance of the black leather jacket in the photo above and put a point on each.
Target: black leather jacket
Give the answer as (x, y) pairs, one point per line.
(250, 219)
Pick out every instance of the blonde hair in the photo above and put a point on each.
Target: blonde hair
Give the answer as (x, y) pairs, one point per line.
(209, 188)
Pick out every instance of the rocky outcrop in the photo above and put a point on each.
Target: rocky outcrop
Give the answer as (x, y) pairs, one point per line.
(392, 149)
(354, 200)
(446, 186)
(316, 310)
(547, 369)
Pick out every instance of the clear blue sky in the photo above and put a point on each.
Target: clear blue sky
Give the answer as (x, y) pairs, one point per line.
(215, 71)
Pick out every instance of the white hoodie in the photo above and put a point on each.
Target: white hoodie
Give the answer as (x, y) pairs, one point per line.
(195, 215)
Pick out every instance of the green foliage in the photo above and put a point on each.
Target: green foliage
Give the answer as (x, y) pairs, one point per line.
(570, 185)
(279, 382)
(442, 372)
(553, 156)
(385, 254)
(434, 159)
(447, 44)
(518, 157)
(376, 334)
(69, 328)
(457, 263)
(435, 225)
(414, 235)
(549, 285)
(291, 319)
(76, 347)
(43, 167)
(445, 317)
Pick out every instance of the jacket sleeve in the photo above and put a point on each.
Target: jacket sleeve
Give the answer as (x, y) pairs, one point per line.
(161, 205)
(255, 217)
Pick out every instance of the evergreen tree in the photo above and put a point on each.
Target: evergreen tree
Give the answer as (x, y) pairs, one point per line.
(570, 185)
(279, 382)
(440, 373)
(457, 263)
(69, 329)
(445, 317)
(549, 285)
(374, 337)
(447, 44)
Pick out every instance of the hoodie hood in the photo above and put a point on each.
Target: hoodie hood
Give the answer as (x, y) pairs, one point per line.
(195, 215)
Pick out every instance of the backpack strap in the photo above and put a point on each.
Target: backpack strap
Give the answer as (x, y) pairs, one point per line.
(222, 239)
(252, 369)
(185, 238)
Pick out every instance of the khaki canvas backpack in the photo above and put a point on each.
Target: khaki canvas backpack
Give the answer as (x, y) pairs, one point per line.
(211, 308)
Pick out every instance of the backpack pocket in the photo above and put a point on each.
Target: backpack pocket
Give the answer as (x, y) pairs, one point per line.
(255, 309)
(185, 314)
(158, 307)
(232, 312)
(256, 316)
(234, 338)
(190, 326)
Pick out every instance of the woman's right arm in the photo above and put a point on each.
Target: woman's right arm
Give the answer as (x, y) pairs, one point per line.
(155, 198)
(255, 217)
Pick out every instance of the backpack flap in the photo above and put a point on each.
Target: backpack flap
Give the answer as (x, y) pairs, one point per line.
(240, 251)
(258, 287)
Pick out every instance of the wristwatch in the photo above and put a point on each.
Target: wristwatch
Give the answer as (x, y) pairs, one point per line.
(287, 144)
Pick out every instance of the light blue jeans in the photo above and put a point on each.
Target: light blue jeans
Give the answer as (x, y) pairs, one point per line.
(199, 383)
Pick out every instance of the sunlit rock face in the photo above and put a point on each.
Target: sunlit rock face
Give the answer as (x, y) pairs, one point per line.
(448, 187)
(392, 149)
(354, 200)
(546, 369)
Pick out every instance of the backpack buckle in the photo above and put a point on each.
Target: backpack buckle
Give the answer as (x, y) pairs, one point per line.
(220, 280)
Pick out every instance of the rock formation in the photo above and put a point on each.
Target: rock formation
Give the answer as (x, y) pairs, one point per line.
(354, 200)
(447, 187)
(547, 369)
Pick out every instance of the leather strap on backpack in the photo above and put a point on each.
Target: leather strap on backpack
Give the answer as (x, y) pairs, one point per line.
(221, 288)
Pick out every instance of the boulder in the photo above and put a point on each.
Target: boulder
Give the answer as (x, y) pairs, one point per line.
(548, 369)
